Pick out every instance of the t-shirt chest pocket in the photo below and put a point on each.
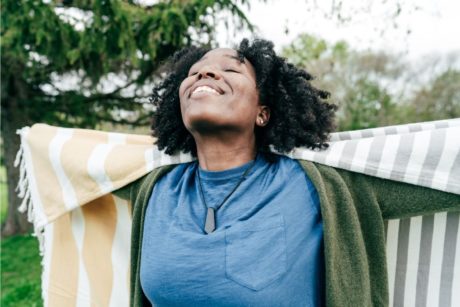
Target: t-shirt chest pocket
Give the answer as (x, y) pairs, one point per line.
(255, 255)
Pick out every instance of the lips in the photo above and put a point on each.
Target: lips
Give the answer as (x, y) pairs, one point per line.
(205, 88)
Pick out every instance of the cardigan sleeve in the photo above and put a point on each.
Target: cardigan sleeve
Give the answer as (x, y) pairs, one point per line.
(400, 200)
(395, 199)
(125, 192)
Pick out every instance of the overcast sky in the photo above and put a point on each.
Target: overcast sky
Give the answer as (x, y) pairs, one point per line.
(434, 25)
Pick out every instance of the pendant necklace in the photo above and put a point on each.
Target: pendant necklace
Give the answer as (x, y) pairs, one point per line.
(210, 223)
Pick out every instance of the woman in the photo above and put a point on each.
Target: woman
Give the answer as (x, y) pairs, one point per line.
(241, 226)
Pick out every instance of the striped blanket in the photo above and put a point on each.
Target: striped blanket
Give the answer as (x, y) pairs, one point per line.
(67, 176)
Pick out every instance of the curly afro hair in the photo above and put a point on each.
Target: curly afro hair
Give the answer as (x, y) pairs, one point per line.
(299, 113)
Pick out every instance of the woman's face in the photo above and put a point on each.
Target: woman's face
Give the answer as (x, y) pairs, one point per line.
(220, 94)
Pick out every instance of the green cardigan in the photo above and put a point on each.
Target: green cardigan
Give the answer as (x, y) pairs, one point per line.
(353, 207)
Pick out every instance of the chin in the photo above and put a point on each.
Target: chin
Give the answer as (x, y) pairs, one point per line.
(207, 124)
(203, 125)
(203, 116)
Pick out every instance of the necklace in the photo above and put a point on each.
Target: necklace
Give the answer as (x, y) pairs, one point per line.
(210, 222)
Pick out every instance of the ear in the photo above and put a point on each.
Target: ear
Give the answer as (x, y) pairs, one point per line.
(263, 116)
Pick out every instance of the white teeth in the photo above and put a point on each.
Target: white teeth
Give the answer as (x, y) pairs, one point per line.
(205, 89)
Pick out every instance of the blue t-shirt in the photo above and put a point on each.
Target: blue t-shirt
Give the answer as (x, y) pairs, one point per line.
(266, 249)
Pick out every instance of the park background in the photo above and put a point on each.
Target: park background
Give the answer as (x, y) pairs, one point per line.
(92, 64)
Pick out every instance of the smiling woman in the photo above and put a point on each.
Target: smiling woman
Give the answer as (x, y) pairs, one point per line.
(219, 222)
(242, 226)
(255, 85)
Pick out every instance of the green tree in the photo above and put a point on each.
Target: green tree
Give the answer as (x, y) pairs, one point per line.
(378, 88)
(361, 83)
(83, 62)
(439, 99)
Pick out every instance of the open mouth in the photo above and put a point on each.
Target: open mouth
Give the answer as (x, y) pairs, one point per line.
(204, 89)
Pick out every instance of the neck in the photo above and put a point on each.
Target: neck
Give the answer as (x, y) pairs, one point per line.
(217, 154)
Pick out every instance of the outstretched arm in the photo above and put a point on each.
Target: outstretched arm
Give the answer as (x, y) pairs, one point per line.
(400, 200)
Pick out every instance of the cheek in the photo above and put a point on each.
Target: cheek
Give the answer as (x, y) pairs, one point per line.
(182, 88)
(255, 95)
(182, 93)
(251, 96)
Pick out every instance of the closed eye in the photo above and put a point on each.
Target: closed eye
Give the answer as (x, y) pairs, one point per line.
(231, 70)
(192, 74)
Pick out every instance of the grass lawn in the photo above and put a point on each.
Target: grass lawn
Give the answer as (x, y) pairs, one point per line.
(20, 272)
(20, 263)
(3, 194)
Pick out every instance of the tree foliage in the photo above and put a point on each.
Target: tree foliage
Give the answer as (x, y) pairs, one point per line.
(376, 88)
(43, 47)
(440, 98)
(84, 62)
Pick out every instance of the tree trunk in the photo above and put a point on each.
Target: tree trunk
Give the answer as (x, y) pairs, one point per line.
(13, 118)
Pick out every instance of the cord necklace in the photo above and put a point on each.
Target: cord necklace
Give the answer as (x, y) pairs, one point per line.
(210, 222)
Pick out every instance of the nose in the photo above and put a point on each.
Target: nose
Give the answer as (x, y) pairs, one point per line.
(208, 72)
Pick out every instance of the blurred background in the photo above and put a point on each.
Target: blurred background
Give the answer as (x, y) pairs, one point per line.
(92, 64)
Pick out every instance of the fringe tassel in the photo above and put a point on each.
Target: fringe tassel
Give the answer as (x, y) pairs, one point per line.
(24, 191)
(23, 185)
